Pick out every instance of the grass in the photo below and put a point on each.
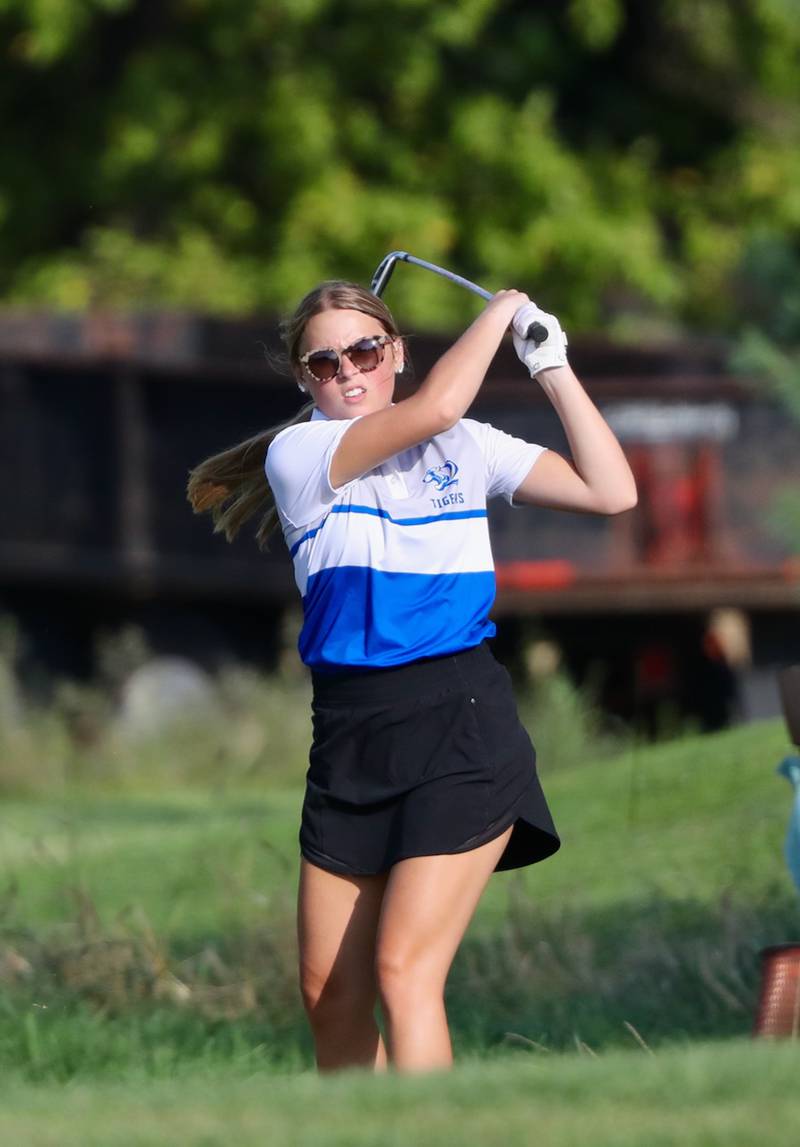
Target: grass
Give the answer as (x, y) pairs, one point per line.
(255, 729)
(701, 1096)
(694, 819)
(249, 730)
(195, 861)
(148, 986)
(160, 928)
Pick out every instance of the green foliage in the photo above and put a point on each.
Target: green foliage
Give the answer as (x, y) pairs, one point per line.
(779, 367)
(613, 158)
(567, 725)
(769, 346)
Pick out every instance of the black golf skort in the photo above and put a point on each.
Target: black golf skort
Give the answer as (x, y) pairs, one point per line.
(428, 757)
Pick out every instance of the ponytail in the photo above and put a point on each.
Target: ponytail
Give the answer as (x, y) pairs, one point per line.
(233, 486)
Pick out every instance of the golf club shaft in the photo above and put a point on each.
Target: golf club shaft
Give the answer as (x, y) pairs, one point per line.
(537, 332)
(384, 271)
(451, 275)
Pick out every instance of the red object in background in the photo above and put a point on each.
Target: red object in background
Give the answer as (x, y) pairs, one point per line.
(654, 669)
(555, 574)
(779, 1003)
(679, 486)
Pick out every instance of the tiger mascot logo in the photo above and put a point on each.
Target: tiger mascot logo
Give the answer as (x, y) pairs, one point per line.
(442, 476)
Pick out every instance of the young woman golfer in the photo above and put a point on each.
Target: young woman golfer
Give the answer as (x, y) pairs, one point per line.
(422, 781)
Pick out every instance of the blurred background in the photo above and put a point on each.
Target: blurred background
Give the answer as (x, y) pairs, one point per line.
(174, 176)
(176, 173)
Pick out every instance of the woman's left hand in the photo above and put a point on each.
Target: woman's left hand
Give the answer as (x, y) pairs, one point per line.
(539, 341)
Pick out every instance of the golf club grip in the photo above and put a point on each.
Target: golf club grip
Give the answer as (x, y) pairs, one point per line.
(537, 333)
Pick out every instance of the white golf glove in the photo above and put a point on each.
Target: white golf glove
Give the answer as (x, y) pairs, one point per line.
(538, 339)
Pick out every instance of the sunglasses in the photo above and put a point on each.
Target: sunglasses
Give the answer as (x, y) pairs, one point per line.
(365, 354)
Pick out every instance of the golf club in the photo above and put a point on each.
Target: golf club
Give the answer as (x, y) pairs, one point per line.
(537, 332)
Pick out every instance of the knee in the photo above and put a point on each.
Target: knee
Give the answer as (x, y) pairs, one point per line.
(329, 997)
(312, 985)
(401, 980)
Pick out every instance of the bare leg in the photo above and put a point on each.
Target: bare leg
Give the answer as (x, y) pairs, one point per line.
(427, 905)
(337, 919)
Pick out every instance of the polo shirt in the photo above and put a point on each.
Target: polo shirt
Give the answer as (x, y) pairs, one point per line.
(396, 564)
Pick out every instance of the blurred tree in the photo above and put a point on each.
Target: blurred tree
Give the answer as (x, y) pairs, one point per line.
(769, 345)
(614, 157)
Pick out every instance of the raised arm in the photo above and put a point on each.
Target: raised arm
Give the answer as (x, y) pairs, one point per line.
(597, 479)
(443, 397)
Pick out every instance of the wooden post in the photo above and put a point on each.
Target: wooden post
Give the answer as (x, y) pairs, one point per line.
(133, 510)
(789, 685)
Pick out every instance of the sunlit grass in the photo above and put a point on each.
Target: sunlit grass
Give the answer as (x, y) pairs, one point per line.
(147, 897)
(735, 1095)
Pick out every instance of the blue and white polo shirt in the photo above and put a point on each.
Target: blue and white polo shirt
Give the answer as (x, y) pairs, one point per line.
(396, 564)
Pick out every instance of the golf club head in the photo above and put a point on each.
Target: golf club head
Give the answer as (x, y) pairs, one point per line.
(384, 271)
(385, 268)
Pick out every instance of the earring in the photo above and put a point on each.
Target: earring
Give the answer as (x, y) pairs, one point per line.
(301, 388)
(398, 354)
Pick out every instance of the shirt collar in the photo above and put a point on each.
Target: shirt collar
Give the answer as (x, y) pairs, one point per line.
(316, 415)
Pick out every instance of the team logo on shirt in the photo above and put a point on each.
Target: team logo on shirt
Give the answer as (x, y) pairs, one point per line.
(442, 476)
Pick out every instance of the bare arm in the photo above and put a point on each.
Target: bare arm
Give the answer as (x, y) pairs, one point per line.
(443, 397)
(598, 479)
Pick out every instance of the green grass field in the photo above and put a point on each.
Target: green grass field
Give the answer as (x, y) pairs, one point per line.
(148, 986)
(734, 1095)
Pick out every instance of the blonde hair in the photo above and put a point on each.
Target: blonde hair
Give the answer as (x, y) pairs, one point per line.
(232, 485)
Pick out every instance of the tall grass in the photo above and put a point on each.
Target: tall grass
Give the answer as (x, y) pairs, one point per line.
(89, 999)
(256, 728)
(656, 970)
